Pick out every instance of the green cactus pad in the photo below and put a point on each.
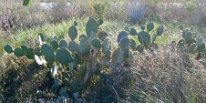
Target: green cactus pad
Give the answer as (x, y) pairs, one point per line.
(144, 38)
(203, 54)
(133, 32)
(75, 23)
(29, 53)
(150, 27)
(142, 27)
(73, 32)
(92, 26)
(18, 52)
(8, 49)
(200, 47)
(47, 51)
(188, 37)
(121, 35)
(96, 43)
(160, 30)
(102, 35)
(106, 46)
(118, 56)
(74, 47)
(54, 44)
(92, 35)
(84, 46)
(124, 43)
(63, 56)
(63, 44)
(100, 21)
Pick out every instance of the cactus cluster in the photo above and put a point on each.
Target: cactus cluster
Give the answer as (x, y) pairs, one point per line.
(191, 43)
(145, 37)
(86, 47)
(91, 52)
(86, 55)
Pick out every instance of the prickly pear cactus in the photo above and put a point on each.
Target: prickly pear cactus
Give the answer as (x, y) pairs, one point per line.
(92, 25)
(63, 44)
(18, 52)
(73, 31)
(200, 44)
(74, 47)
(63, 56)
(133, 32)
(96, 43)
(84, 46)
(54, 44)
(150, 27)
(188, 37)
(124, 43)
(160, 30)
(122, 34)
(8, 49)
(106, 46)
(142, 27)
(203, 53)
(118, 56)
(144, 38)
(29, 53)
(47, 51)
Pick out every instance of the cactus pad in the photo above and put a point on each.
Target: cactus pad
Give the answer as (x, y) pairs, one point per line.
(74, 47)
(118, 56)
(63, 44)
(150, 27)
(132, 32)
(124, 43)
(54, 44)
(63, 56)
(121, 35)
(47, 51)
(144, 38)
(160, 30)
(8, 49)
(73, 32)
(96, 43)
(18, 52)
(92, 26)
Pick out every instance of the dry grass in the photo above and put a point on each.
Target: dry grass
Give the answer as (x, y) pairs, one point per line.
(170, 76)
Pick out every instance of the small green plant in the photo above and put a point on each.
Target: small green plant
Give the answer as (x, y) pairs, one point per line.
(145, 37)
(191, 43)
(26, 2)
